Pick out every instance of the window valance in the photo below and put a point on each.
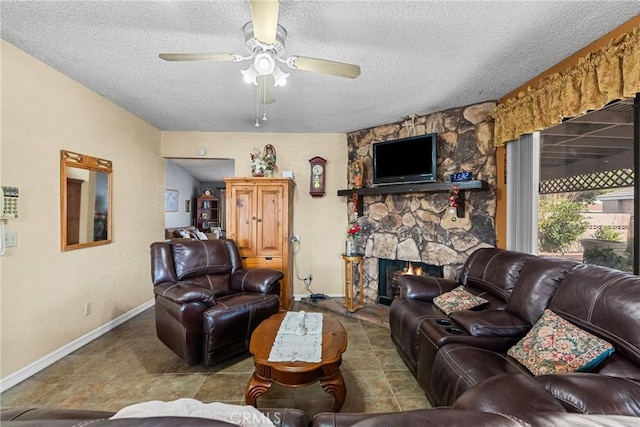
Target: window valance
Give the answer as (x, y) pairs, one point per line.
(607, 74)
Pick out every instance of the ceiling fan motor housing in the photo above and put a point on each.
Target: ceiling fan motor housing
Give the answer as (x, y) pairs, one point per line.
(252, 44)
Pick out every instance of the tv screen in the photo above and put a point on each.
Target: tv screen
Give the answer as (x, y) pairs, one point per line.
(405, 160)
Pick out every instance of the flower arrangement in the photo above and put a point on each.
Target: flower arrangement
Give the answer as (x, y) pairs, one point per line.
(354, 230)
(263, 162)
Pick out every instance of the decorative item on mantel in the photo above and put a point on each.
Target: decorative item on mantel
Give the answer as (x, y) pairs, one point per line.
(357, 173)
(354, 201)
(454, 202)
(264, 163)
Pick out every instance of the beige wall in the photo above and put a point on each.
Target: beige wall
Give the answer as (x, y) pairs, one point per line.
(321, 222)
(44, 290)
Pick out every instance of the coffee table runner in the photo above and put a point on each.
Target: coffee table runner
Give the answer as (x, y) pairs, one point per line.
(299, 338)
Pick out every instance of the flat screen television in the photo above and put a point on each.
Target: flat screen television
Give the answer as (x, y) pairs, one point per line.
(406, 160)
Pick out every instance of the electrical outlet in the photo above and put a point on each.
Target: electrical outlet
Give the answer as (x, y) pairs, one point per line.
(10, 239)
(87, 308)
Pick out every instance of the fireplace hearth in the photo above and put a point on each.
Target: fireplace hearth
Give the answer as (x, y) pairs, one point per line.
(389, 271)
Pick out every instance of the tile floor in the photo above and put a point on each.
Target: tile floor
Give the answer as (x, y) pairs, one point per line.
(130, 365)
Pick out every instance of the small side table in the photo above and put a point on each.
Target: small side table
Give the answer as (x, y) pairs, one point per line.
(353, 270)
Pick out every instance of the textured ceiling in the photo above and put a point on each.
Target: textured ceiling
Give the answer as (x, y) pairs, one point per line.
(416, 56)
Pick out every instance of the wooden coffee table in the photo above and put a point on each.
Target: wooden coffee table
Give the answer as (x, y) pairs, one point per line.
(298, 374)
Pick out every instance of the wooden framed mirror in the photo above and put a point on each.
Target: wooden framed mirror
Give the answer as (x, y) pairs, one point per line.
(85, 201)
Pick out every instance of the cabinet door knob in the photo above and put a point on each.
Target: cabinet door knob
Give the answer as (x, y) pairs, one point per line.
(253, 217)
(259, 220)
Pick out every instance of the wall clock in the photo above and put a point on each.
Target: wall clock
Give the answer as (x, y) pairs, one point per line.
(317, 177)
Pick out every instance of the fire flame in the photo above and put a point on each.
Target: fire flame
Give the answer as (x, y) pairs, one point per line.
(411, 271)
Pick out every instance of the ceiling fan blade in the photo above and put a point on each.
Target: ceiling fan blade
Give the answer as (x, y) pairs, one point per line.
(324, 66)
(198, 56)
(266, 89)
(264, 14)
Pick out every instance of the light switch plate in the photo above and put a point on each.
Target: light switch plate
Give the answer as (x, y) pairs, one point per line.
(10, 239)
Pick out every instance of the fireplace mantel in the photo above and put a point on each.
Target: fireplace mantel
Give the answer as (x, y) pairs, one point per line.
(432, 187)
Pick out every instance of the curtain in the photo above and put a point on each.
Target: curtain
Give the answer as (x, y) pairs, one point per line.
(605, 75)
(523, 170)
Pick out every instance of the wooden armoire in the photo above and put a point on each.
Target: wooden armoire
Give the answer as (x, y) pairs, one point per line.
(259, 215)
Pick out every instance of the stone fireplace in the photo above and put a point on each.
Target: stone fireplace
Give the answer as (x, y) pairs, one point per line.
(420, 227)
(390, 270)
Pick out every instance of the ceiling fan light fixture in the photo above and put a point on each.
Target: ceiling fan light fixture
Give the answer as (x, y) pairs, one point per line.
(250, 75)
(280, 77)
(264, 64)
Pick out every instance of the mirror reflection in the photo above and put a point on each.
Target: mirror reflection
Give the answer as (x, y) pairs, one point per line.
(85, 200)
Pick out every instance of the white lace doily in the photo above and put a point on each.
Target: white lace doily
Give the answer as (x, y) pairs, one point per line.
(299, 338)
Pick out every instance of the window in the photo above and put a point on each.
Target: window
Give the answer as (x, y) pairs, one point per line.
(586, 195)
(586, 206)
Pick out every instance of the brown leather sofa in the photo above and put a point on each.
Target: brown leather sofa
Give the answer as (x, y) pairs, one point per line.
(599, 300)
(207, 304)
(282, 417)
(440, 417)
(488, 272)
(295, 418)
(503, 400)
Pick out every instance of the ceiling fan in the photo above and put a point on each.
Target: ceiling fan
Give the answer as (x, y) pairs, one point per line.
(264, 40)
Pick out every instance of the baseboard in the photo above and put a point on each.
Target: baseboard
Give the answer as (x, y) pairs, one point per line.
(32, 369)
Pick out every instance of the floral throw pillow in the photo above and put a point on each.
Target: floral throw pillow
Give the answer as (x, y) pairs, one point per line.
(556, 346)
(458, 299)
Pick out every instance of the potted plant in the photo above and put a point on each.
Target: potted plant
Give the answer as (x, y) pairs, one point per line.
(605, 249)
(606, 237)
(605, 257)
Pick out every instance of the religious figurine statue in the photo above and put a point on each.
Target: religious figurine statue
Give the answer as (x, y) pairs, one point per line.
(270, 156)
(358, 174)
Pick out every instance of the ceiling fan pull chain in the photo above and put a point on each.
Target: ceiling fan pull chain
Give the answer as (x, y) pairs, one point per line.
(257, 106)
(264, 106)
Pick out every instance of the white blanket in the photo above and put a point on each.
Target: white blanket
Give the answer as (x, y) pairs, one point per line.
(245, 416)
(299, 338)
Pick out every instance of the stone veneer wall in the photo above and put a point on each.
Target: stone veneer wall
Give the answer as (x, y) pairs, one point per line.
(419, 226)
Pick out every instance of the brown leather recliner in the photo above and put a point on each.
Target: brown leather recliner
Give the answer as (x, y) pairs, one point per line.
(207, 304)
(488, 272)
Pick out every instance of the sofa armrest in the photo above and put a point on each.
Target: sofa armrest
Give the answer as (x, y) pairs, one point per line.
(424, 288)
(491, 323)
(262, 280)
(44, 415)
(508, 394)
(184, 292)
(590, 393)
